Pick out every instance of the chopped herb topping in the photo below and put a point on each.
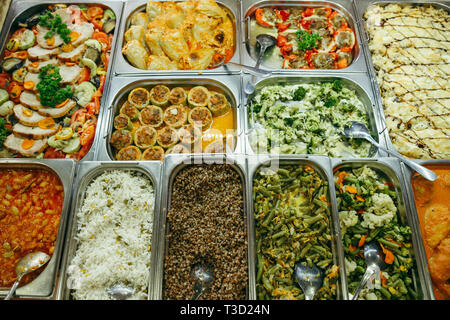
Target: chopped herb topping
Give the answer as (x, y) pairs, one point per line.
(306, 40)
(50, 91)
(55, 24)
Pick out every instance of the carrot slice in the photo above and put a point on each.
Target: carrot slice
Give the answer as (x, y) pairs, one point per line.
(351, 189)
(28, 85)
(46, 123)
(15, 92)
(62, 103)
(362, 240)
(27, 144)
(94, 12)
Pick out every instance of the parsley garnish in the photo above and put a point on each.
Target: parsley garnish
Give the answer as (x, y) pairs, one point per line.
(306, 40)
(55, 24)
(50, 92)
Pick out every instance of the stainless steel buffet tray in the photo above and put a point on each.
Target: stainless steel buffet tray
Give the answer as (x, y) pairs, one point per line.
(358, 82)
(43, 287)
(121, 86)
(86, 173)
(22, 9)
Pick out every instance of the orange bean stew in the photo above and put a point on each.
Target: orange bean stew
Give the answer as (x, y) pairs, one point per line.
(31, 203)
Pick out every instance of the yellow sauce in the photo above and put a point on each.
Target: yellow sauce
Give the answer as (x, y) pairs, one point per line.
(221, 127)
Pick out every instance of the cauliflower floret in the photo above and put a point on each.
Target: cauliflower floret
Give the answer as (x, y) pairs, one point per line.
(347, 219)
(350, 266)
(380, 213)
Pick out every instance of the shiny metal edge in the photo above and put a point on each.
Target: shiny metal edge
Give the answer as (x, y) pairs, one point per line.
(17, 8)
(86, 173)
(322, 165)
(359, 63)
(358, 81)
(360, 7)
(173, 164)
(407, 174)
(44, 286)
(392, 169)
(230, 84)
(122, 67)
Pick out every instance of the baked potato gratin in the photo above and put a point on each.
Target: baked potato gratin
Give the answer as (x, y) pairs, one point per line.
(185, 35)
(409, 46)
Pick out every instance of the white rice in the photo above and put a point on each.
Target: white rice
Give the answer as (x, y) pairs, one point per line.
(114, 236)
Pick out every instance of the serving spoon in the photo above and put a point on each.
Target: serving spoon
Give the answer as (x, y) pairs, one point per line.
(29, 263)
(359, 130)
(204, 278)
(374, 263)
(309, 278)
(120, 292)
(265, 41)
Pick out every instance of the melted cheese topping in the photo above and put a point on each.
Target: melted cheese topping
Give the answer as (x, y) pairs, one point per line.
(409, 46)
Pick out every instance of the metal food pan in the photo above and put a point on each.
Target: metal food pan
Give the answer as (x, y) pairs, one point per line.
(358, 82)
(86, 173)
(407, 176)
(392, 170)
(43, 287)
(174, 164)
(20, 10)
(342, 6)
(123, 67)
(360, 8)
(122, 86)
(322, 165)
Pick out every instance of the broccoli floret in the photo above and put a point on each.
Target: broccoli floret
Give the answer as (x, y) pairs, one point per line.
(299, 94)
(330, 102)
(337, 85)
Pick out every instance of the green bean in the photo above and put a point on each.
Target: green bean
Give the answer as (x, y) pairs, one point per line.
(385, 292)
(389, 243)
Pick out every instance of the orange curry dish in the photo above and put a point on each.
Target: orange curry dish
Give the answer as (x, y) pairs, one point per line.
(433, 202)
(31, 203)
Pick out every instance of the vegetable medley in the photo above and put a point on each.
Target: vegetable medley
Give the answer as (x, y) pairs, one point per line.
(307, 118)
(292, 215)
(368, 211)
(53, 74)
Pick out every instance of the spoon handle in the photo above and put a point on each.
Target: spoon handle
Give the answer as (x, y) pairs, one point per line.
(369, 272)
(252, 70)
(424, 172)
(13, 289)
(197, 294)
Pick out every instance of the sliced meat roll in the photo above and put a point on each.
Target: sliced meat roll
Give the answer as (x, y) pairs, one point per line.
(69, 74)
(14, 144)
(84, 30)
(57, 112)
(31, 76)
(33, 132)
(37, 65)
(73, 55)
(37, 52)
(47, 43)
(26, 116)
(30, 99)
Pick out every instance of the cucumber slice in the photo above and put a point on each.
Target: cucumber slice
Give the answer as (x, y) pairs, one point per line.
(27, 39)
(57, 144)
(91, 65)
(84, 92)
(6, 108)
(4, 96)
(93, 43)
(73, 145)
(108, 14)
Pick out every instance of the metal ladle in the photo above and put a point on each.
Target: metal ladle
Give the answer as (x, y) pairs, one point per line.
(31, 262)
(359, 130)
(374, 264)
(204, 278)
(309, 278)
(265, 41)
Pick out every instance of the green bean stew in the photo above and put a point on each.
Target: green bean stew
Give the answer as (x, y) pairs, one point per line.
(368, 211)
(292, 216)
